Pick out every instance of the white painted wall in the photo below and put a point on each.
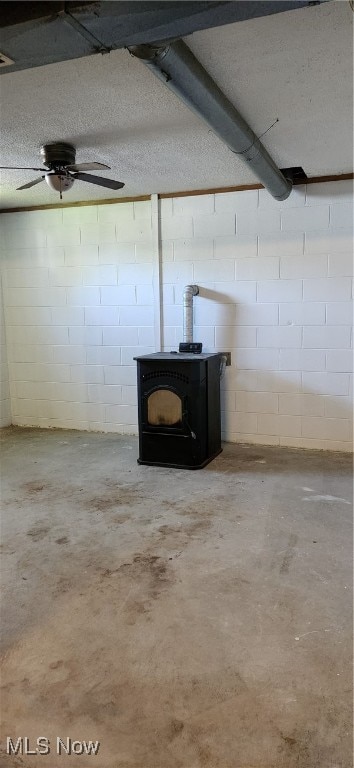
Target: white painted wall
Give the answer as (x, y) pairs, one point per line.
(79, 306)
(5, 402)
(275, 289)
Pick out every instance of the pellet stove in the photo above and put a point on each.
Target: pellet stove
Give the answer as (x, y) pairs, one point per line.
(179, 409)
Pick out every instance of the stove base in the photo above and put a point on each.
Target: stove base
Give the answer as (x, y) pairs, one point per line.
(180, 466)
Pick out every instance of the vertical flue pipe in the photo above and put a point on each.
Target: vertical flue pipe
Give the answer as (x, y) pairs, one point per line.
(188, 293)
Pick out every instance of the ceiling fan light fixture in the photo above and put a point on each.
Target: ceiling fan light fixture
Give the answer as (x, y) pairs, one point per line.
(61, 170)
(59, 182)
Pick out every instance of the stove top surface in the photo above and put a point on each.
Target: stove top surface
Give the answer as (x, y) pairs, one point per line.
(177, 357)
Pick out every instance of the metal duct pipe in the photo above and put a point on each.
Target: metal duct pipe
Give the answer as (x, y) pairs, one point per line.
(178, 68)
(188, 293)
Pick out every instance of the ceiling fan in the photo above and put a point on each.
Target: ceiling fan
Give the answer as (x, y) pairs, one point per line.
(61, 170)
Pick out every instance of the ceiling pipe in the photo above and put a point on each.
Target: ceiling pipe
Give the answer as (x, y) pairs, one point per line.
(178, 68)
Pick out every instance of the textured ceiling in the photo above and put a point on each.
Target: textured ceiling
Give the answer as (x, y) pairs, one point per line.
(295, 66)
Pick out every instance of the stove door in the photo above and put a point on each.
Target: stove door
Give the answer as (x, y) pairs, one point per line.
(164, 410)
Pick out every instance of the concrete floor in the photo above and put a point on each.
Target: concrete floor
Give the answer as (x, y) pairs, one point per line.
(183, 619)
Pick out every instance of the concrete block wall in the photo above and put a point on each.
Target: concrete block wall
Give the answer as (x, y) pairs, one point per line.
(5, 401)
(275, 289)
(79, 306)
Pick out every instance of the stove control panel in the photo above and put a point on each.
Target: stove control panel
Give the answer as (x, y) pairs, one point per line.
(192, 347)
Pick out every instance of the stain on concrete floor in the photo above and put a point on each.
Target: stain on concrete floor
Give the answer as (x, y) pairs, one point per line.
(183, 619)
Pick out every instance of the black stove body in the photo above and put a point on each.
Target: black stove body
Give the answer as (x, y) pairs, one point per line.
(179, 409)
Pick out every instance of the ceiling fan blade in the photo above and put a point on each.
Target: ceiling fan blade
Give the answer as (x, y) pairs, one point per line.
(87, 167)
(18, 168)
(32, 183)
(110, 183)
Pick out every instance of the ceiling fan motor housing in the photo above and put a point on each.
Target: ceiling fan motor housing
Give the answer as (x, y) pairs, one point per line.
(58, 155)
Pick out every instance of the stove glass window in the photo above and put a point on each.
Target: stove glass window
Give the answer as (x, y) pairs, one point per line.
(164, 408)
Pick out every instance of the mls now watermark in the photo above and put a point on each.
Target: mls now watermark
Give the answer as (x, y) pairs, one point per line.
(43, 746)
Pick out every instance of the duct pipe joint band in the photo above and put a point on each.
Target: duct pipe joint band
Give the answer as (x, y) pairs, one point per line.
(251, 152)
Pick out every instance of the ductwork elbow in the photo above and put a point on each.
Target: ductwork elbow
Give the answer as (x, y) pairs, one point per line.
(188, 293)
(146, 51)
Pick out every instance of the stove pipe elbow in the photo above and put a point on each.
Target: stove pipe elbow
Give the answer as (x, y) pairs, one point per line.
(188, 293)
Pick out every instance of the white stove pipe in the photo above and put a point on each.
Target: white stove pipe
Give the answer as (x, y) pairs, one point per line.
(188, 293)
